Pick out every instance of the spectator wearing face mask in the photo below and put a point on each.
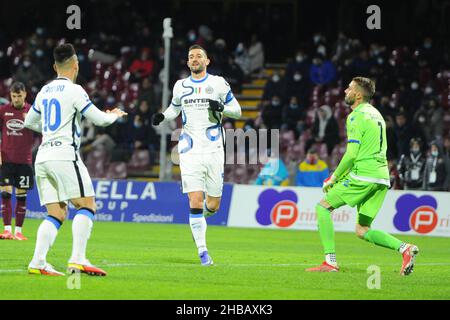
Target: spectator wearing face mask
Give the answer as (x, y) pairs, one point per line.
(325, 129)
(29, 73)
(298, 86)
(312, 171)
(411, 166)
(412, 98)
(293, 116)
(322, 71)
(274, 87)
(272, 113)
(437, 170)
(300, 64)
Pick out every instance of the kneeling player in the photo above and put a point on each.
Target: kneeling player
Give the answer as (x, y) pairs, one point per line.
(361, 179)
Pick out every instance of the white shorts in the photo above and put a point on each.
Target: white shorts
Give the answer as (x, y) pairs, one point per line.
(59, 181)
(202, 172)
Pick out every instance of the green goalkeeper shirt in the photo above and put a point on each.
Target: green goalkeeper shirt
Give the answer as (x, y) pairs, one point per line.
(365, 157)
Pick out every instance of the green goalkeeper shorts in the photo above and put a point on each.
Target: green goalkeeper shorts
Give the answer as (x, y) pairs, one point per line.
(367, 197)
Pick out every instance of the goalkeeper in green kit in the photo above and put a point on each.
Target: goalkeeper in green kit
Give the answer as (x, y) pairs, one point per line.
(361, 179)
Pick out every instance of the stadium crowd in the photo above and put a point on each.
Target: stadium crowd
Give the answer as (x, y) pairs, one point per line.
(304, 100)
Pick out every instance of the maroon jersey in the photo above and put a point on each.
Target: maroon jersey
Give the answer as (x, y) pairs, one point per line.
(17, 141)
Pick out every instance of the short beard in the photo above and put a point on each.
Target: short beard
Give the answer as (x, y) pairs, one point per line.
(349, 102)
(199, 70)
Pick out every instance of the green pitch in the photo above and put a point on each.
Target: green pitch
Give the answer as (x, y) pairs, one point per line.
(155, 261)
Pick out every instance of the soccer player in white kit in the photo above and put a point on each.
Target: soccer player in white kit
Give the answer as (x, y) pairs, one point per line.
(61, 176)
(201, 99)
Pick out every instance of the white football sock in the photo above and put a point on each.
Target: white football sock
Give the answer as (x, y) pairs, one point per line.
(330, 258)
(198, 228)
(8, 228)
(81, 231)
(18, 229)
(46, 236)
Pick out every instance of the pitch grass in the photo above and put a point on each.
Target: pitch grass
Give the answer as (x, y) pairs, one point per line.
(157, 261)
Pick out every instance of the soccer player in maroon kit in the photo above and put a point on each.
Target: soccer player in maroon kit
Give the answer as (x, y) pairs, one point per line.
(15, 170)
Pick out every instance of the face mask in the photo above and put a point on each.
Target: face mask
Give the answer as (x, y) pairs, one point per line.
(293, 106)
(414, 85)
(299, 58)
(380, 60)
(434, 153)
(275, 103)
(428, 90)
(192, 37)
(316, 39)
(276, 78)
(40, 53)
(322, 50)
(297, 77)
(422, 119)
(392, 104)
(427, 45)
(415, 150)
(27, 64)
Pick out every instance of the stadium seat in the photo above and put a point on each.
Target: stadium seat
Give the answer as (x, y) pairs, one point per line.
(140, 160)
(117, 170)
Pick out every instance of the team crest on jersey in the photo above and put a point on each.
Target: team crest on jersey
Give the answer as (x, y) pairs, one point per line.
(209, 90)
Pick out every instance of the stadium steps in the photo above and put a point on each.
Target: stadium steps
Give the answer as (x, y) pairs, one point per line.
(252, 92)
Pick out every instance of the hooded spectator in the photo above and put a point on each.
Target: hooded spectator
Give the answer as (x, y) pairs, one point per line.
(325, 129)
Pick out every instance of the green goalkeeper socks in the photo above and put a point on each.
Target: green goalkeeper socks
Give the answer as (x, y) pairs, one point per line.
(383, 239)
(326, 229)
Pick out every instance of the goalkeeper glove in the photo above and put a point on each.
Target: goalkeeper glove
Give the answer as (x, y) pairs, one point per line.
(215, 105)
(157, 118)
(328, 183)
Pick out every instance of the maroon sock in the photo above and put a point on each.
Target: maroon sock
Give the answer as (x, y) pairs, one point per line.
(20, 209)
(6, 209)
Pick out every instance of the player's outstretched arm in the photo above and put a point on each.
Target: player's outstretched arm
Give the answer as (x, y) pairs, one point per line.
(171, 113)
(100, 118)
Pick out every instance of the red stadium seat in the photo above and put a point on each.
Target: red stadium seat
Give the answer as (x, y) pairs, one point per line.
(140, 160)
(117, 170)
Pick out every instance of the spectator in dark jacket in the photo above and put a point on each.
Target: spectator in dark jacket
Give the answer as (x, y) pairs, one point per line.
(437, 170)
(274, 87)
(411, 166)
(322, 71)
(403, 134)
(325, 129)
(293, 116)
(272, 113)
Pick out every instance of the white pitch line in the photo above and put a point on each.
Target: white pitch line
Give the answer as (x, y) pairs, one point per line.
(119, 265)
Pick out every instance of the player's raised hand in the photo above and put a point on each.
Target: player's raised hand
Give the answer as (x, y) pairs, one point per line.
(215, 105)
(328, 183)
(157, 118)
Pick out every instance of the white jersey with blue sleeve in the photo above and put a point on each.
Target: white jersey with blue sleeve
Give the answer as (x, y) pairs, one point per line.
(201, 127)
(57, 113)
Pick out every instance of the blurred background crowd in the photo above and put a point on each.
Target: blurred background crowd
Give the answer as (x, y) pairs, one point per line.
(286, 79)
